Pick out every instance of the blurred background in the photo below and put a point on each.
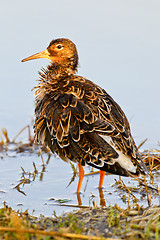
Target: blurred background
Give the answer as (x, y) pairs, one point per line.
(119, 49)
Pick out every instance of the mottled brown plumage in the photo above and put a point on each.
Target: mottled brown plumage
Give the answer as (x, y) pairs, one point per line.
(78, 120)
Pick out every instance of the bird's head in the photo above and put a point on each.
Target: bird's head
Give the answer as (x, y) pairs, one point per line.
(61, 51)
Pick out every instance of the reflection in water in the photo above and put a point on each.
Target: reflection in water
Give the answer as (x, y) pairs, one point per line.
(27, 177)
(75, 172)
(102, 199)
(140, 192)
(79, 199)
(123, 191)
(126, 193)
(92, 201)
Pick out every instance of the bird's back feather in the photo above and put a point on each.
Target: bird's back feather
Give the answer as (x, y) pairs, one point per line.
(75, 117)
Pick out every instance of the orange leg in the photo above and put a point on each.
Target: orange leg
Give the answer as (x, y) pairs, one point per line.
(102, 175)
(81, 176)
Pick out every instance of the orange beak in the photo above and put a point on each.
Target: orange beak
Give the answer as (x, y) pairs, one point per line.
(43, 54)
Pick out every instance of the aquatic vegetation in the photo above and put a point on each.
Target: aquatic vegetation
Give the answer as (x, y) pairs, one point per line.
(136, 221)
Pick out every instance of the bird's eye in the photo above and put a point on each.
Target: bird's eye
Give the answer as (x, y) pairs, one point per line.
(59, 46)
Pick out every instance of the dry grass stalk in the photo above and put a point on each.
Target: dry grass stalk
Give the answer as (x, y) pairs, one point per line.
(142, 143)
(147, 192)
(17, 223)
(22, 231)
(129, 191)
(135, 226)
(4, 131)
(159, 194)
(29, 134)
(40, 152)
(1, 142)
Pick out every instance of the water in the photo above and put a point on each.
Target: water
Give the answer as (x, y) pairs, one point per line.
(118, 45)
(50, 187)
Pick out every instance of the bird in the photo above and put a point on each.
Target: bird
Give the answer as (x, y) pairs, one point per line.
(79, 120)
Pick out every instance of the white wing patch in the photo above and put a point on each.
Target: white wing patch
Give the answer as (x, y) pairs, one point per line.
(123, 160)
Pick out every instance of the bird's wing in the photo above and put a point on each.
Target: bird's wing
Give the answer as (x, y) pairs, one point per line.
(74, 124)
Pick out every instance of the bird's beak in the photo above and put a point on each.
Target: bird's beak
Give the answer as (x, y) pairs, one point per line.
(43, 54)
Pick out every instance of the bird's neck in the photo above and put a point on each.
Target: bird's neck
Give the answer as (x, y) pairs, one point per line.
(61, 70)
